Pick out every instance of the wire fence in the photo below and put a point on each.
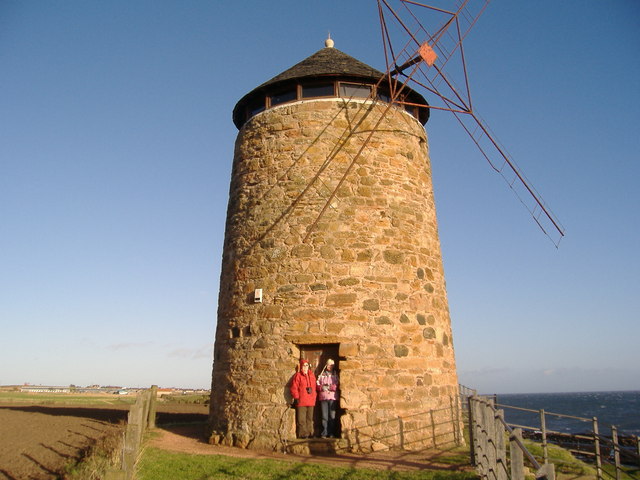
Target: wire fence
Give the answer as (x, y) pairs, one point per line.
(433, 428)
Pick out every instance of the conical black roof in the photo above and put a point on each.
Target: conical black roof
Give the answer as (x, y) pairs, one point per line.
(327, 62)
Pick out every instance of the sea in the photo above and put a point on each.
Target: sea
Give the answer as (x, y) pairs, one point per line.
(621, 409)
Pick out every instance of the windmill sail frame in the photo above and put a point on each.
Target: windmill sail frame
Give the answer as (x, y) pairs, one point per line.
(427, 73)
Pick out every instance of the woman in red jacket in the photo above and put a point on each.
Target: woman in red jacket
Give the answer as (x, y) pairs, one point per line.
(303, 391)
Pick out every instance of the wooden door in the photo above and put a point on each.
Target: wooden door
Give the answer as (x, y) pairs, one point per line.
(318, 356)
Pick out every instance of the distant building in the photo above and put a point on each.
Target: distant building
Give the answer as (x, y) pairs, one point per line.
(44, 389)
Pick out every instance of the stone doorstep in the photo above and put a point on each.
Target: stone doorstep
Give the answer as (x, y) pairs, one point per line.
(310, 446)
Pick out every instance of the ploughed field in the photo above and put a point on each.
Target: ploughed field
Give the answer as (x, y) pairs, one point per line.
(37, 440)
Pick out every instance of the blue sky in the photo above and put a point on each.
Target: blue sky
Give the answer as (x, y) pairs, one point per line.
(116, 144)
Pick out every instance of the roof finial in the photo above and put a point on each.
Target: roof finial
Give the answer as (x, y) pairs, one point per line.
(328, 42)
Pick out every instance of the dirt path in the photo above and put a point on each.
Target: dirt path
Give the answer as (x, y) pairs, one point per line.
(190, 439)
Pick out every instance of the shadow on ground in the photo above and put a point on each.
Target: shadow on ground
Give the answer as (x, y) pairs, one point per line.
(191, 439)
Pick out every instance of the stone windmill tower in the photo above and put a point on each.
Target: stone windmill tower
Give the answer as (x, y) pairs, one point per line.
(332, 251)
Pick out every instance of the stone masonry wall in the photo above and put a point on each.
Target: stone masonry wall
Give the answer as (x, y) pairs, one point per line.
(369, 276)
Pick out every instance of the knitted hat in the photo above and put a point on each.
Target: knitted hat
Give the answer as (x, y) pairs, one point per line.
(303, 361)
(330, 362)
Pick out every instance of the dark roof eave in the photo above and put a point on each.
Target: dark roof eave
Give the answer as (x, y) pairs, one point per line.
(239, 120)
(265, 88)
(325, 63)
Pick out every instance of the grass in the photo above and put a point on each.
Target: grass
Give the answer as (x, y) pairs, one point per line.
(92, 399)
(563, 460)
(157, 464)
(191, 399)
(566, 463)
(99, 458)
(64, 399)
(454, 458)
(627, 473)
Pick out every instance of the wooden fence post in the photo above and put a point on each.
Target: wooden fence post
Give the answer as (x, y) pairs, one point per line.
(543, 429)
(546, 472)
(501, 451)
(141, 420)
(492, 436)
(616, 450)
(486, 448)
(480, 450)
(472, 426)
(517, 457)
(131, 440)
(152, 407)
(596, 446)
(493, 432)
(480, 455)
(460, 419)
(145, 412)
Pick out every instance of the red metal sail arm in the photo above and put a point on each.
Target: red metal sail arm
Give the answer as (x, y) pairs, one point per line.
(502, 163)
(421, 63)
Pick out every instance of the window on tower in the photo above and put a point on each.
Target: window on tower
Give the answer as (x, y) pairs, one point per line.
(318, 90)
(355, 90)
(323, 88)
(283, 97)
